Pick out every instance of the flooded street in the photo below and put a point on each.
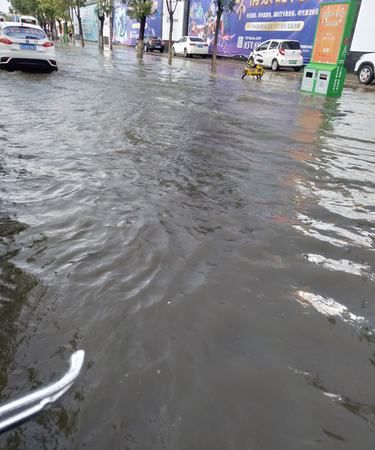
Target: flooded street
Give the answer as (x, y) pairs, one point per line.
(209, 242)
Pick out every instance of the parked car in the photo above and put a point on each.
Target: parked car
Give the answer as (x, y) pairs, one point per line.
(279, 53)
(29, 20)
(152, 43)
(25, 47)
(365, 68)
(189, 46)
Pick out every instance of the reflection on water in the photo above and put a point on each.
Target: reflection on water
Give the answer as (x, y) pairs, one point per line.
(342, 265)
(335, 199)
(363, 410)
(15, 288)
(328, 307)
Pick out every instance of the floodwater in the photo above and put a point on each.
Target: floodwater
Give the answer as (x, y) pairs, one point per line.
(209, 242)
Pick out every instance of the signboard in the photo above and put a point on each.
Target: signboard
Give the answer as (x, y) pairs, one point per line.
(126, 30)
(255, 21)
(329, 33)
(364, 35)
(89, 23)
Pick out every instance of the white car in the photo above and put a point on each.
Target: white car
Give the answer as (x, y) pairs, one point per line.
(278, 53)
(365, 68)
(189, 46)
(28, 20)
(26, 46)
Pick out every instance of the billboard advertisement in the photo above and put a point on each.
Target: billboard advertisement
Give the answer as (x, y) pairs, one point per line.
(329, 33)
(126, 30)
(255, 21)
(89, 23)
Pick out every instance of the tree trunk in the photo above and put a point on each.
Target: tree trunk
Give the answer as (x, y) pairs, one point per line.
(101, 28)
(170, 38)
(65, 31)
(71, 14)
(111, 28)
(214, 50)
(80, 26)
(52, 30)
(141, 36)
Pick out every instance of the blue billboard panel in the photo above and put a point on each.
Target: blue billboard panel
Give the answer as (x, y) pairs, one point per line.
(256, 21)
(89, 23)
(126, 30)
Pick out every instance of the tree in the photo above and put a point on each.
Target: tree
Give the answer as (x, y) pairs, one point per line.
(27, 7)
(221, 7)
(171, 10)
(77, 5)
(111, 26)
(103, 10)
(47, 11)
(139, 10)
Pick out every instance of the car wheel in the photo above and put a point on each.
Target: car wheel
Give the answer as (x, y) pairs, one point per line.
(275, 65)
(366, 74)
(173, 51)
(297, 69)
(204, 56)
(185, 53)
(161, 50)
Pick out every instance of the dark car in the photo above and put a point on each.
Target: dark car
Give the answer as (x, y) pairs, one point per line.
(152, 43)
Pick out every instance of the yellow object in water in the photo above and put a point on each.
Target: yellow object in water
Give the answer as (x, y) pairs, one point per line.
(253, 70)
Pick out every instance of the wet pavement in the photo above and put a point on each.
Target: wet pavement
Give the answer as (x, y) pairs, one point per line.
(208, 241)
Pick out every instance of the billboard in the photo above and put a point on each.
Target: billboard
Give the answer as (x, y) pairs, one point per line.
(329, 33)
(89, 23)
(364, 35)
(255, 21)
(126, 30)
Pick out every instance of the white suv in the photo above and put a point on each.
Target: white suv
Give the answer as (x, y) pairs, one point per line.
(365, 68)
(278, 53)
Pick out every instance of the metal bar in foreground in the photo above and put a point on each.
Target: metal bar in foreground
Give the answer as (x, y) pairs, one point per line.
(19, 410)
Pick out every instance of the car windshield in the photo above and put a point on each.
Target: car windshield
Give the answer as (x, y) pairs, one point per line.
(24, 32)
(196, 39)
(291, 45)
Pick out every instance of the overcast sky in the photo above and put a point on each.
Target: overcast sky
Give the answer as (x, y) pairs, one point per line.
(4, 5)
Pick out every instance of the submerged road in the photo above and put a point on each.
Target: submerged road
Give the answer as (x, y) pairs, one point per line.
(208, 241)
